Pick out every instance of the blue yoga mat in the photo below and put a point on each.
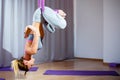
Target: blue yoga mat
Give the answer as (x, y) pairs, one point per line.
(2, 79)
(81, 72)
(9, 69)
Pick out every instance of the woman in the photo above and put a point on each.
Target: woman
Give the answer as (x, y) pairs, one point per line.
(35, 33)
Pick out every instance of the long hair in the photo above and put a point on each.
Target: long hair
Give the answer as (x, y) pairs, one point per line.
(19, 65)
(14, 65)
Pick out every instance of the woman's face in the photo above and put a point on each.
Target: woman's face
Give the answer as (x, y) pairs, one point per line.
(29, 63)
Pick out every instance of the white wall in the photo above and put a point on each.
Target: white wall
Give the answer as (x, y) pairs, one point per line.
(112, 31)
(88, 28)
(97, 29)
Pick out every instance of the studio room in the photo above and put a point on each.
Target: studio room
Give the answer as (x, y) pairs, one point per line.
(60, 40)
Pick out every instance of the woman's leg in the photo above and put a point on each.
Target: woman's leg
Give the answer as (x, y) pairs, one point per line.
(54, 19)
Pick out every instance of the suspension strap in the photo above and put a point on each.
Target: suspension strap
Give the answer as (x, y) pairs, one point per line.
(41, 4)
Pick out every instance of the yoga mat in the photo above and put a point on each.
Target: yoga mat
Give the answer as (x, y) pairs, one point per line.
(81, 72)
(9, 69)
(33, 69)
(2, 79)
(114, 64)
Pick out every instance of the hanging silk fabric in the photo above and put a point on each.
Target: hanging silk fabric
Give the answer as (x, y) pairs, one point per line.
(41, 4)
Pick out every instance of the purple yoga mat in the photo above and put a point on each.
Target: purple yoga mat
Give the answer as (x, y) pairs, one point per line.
(2, 79)
(114, 64)
(81, 72)
(9, 69)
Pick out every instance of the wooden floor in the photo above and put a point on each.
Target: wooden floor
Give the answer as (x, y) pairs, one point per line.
(73, 64)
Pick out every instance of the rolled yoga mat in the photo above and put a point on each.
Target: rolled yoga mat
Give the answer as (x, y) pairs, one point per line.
(10, 69)
(81, 73)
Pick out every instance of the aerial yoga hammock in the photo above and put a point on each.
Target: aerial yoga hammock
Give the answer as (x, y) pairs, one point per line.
(42, 17)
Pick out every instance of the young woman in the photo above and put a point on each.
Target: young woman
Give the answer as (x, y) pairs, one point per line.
(35, 33)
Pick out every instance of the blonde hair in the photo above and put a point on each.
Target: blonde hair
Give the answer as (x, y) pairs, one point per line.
(19, 65)
(14, 65)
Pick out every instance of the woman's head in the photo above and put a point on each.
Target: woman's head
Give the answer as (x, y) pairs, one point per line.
(19, 65)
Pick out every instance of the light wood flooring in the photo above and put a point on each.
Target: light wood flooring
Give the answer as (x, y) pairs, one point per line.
(72, 64)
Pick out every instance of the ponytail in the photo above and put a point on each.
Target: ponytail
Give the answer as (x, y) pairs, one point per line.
(19, 65)
(14, 65)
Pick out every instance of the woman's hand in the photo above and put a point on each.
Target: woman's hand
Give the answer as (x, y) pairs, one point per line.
(29, 63)
(30, 30)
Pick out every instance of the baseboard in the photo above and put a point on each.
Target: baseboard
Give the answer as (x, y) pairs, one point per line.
(101, 60)
(94, 59)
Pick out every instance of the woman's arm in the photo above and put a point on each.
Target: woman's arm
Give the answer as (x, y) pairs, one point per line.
(32, 46)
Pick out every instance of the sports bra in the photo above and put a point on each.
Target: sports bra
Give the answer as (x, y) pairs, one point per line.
(40, 43)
